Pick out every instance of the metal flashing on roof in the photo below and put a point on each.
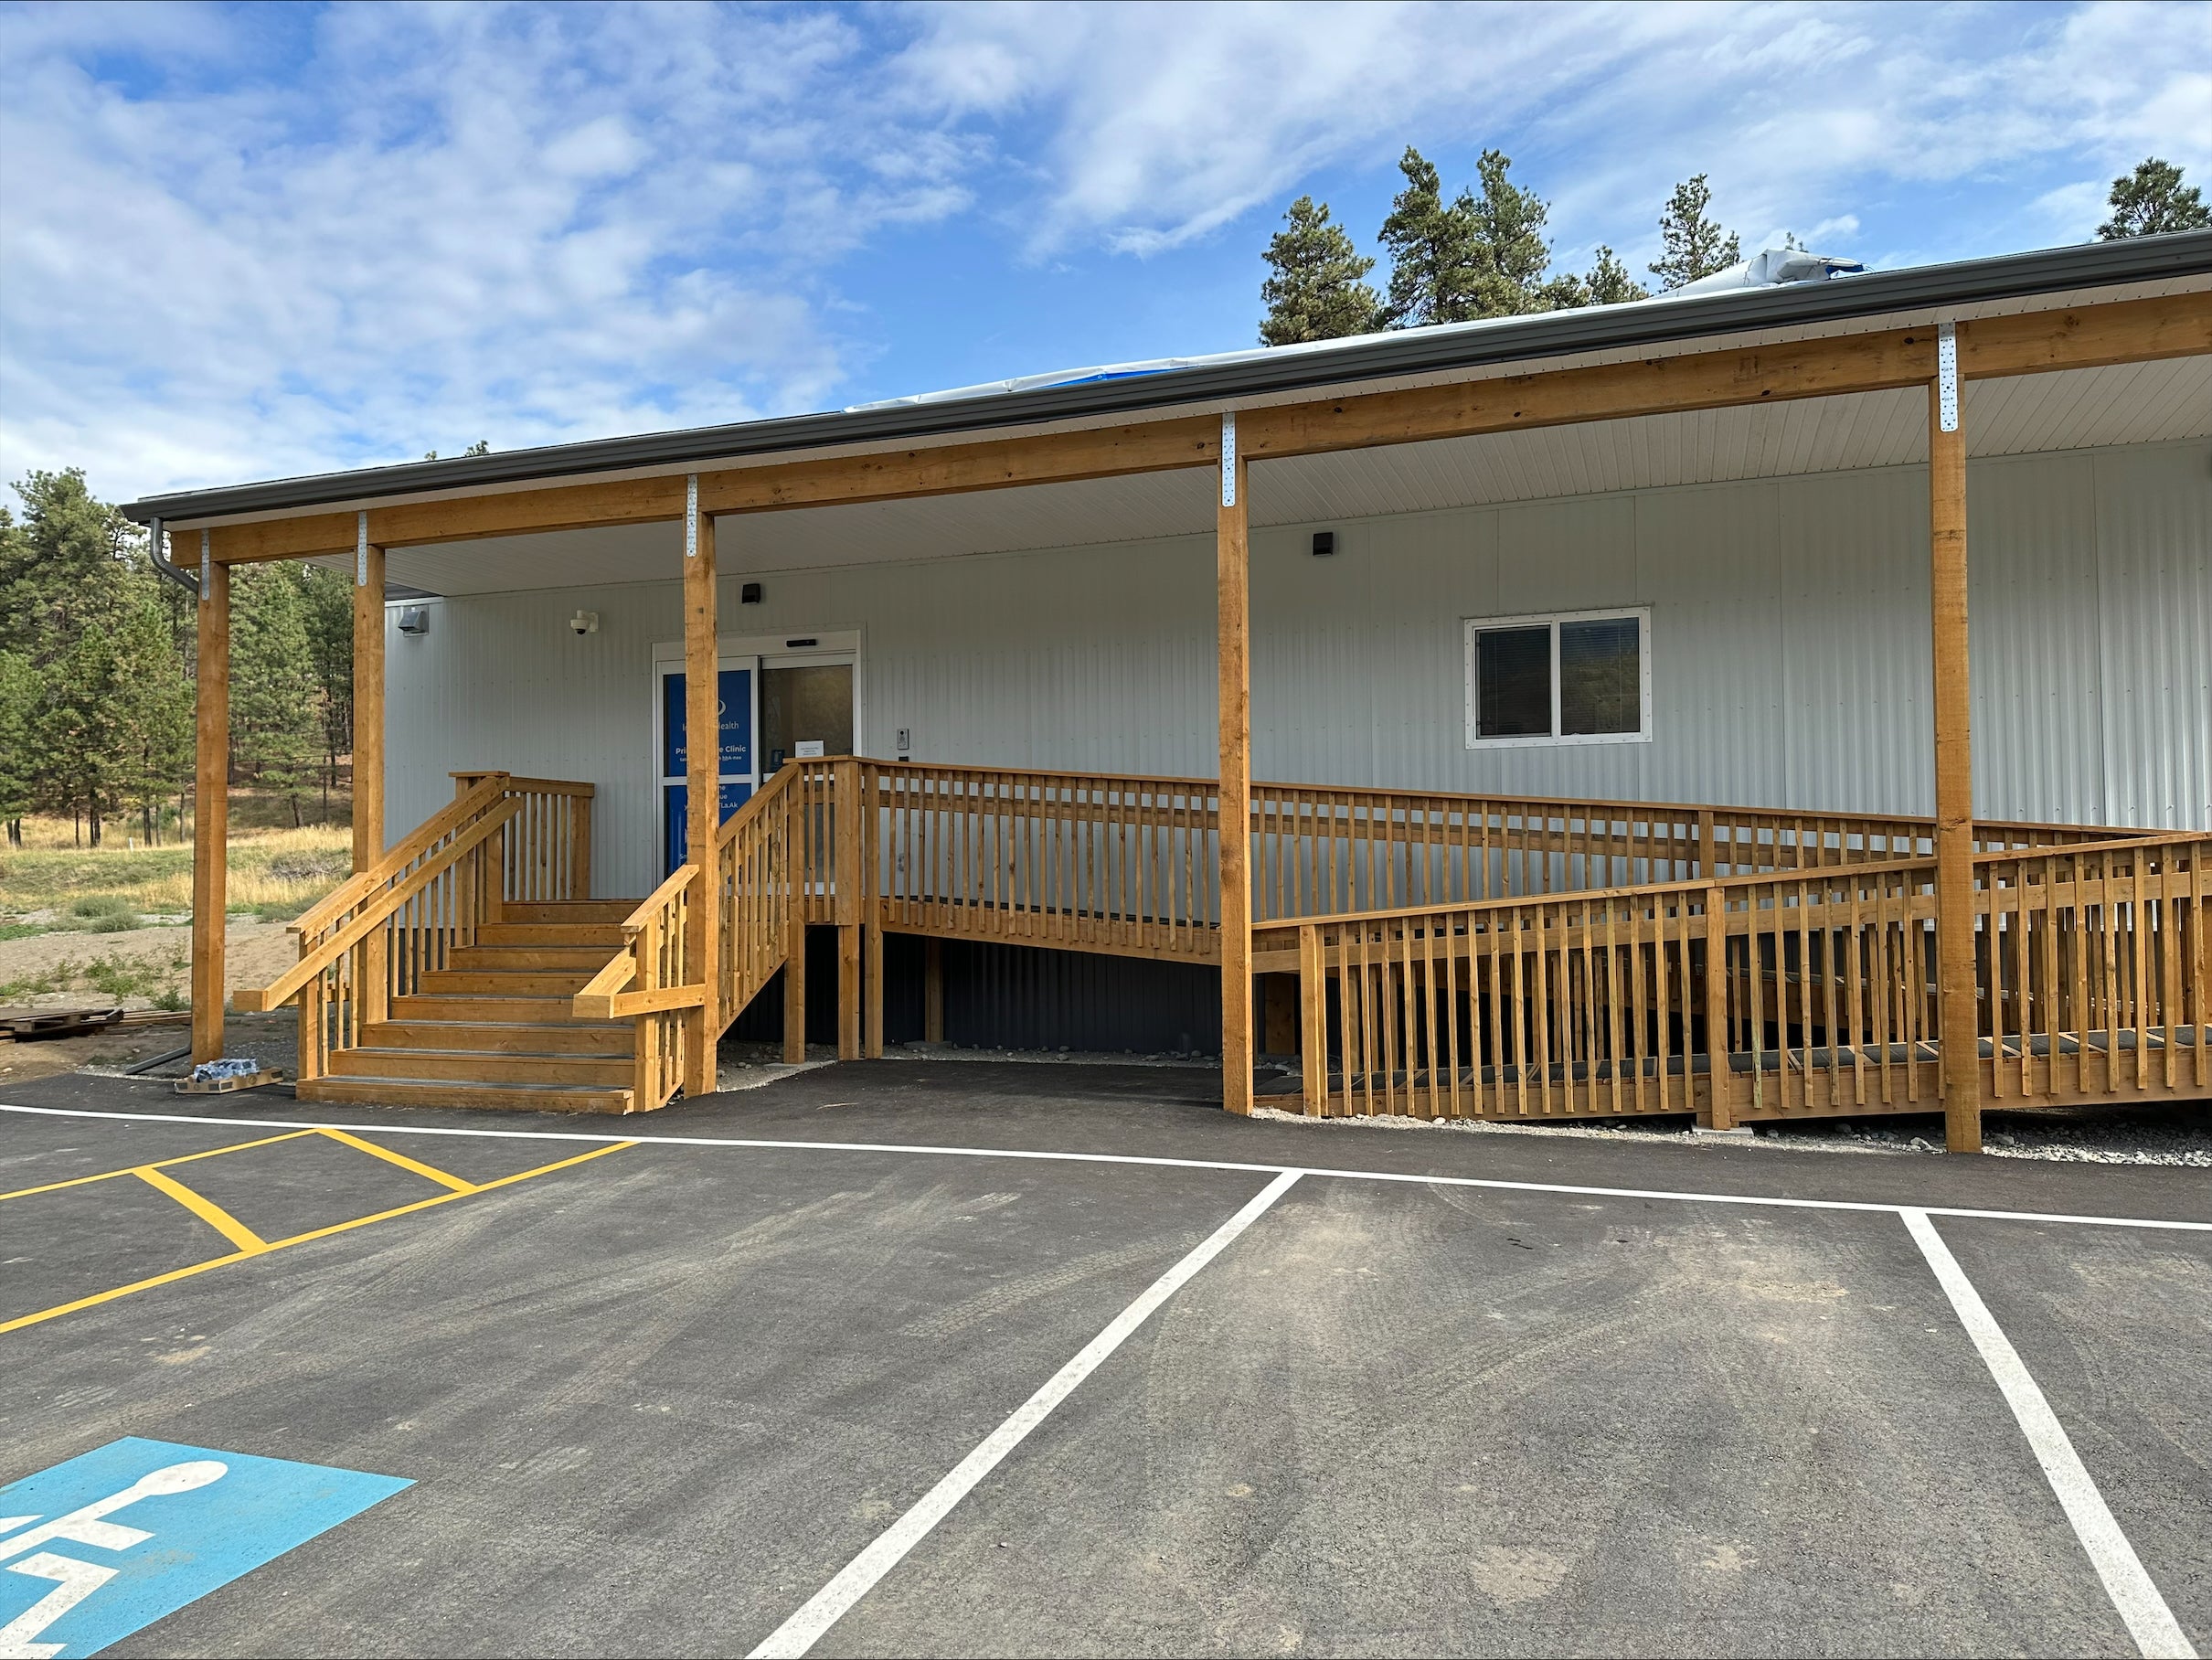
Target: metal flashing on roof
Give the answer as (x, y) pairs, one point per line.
(1367, 357)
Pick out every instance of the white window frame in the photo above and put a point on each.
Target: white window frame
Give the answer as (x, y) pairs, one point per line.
(1472, 627)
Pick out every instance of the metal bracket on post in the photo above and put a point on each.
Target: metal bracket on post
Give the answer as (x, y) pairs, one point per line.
(207, 563)
(361, 549)
(691, 515)
(1228, 458)
(1947, 377)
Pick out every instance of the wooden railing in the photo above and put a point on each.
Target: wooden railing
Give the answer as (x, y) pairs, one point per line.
(1760, 997)
(1723, 998)
(1106, 863)
(546, 853)
(376, 935)
(1127, 866)
(1318, 852)
(754, 866)
(2095, 971)
(1555, 958)
(653, 977)
(650, 979)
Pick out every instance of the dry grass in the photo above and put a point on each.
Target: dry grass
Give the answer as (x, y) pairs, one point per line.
(274, 873)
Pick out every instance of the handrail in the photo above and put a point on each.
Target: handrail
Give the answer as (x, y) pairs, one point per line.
(756, 804)
(596, 999)
(2119, 843)
(316, 959)
(1291, 925)
(425, 836)
(537, 786)
(1573, 804)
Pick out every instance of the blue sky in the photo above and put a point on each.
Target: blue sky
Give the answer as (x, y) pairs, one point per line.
(247, 243)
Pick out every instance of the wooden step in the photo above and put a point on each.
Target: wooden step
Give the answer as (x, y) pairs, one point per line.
(467, 1065)
(568, 910)
(418, 1092)
(494, 1010)
(505, 1036)
(587, 960)
(502, 982)
(607, 935)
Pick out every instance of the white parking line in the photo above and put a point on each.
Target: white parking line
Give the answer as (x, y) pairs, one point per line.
(646, 1139)
(2149, 1621)
(857, 1577)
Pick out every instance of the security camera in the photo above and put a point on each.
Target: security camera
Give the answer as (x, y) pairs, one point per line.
(584, 622)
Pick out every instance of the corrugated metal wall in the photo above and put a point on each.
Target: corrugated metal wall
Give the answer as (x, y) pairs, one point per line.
(2155, 615)
(1790, 650)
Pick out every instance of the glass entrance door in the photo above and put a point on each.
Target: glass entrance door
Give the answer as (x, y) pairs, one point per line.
(736, 766)
(806, 708)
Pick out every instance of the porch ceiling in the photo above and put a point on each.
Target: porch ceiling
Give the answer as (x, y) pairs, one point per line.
(2132, 403)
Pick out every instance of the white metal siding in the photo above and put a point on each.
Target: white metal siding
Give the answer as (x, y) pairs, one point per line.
(1790, 650)
(2154, 608)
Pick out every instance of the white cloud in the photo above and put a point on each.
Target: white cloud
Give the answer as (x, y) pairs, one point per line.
(238, 243)
(1161, 123)
(444, 224)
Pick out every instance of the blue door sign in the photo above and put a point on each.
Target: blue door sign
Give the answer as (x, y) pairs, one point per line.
(676, 820)
(736, 694)
(734, 762)
(115, 1539)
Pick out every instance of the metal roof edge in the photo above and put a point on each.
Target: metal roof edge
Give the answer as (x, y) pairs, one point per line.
(1416, 351)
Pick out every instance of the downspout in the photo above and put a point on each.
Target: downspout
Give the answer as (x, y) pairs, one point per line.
(183, 579)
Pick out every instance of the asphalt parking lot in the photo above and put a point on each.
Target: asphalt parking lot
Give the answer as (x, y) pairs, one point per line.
(954, 1358)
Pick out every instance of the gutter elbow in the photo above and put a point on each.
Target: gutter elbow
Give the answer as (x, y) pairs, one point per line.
(183, 579)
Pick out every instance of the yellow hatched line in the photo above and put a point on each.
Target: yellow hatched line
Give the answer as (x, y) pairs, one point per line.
(159, 1164)
(299, 1238)
(401, 1159)
(207, 1210)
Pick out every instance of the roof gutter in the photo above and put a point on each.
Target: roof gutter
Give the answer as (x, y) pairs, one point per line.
(184, 579)
(1924, 288)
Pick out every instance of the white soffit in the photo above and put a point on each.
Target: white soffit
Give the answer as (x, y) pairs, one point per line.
(2079, 409)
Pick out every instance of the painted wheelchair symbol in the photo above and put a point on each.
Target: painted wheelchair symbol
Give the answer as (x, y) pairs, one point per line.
(74, 1581)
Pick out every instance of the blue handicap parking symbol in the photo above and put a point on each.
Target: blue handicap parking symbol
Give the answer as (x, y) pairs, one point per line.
(113, 1539)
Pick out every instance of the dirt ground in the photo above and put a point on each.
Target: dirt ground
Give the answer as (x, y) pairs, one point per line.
(272, 1039)
(254, 954)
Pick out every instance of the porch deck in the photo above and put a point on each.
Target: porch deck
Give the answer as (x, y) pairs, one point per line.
(1428, 954)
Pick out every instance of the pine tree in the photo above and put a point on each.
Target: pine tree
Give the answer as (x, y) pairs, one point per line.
(1431, 246)
(18, 696)
(153, 701)
(1610, 284)
(65, 583)
(2151, 201)
(1511, 254)
(273, 720)
(1313, 289)
(326, 608)
(1481, 256)
(1696, 246)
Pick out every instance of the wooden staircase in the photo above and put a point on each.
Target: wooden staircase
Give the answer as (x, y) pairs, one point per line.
(495, 1027)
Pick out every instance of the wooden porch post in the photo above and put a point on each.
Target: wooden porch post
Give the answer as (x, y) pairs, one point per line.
(797, 839)
(1955, 837)
(1232, 547)
(369, 749)
(703, 788)
(211, 811)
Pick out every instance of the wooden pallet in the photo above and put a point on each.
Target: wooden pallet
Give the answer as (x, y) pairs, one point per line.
(29, 1025)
